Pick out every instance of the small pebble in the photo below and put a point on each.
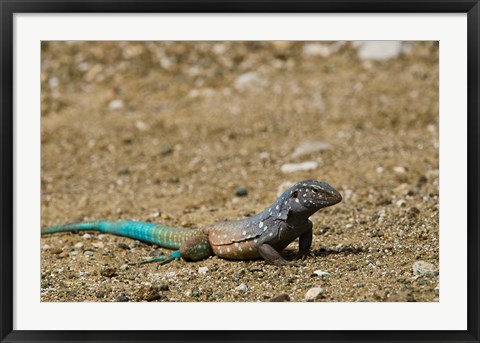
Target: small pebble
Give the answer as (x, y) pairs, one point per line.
(98, 245)
(358, 285)
(313, 293)
(124, 171)
(115, 104)
(424, 268)
(108, 271)
(149, 293)
(380, 50)
(123, 246)
(203, 270)
(79, 245)
(86, 236)
(241, 288)
(163, 287)
(324, 229)
(88, 253)
(241, 192)
(310, 147)
(264, 155)
(122, 298)
(320, 49)
(100, 294)
(166, 150)
(124, 267)
(63, 254)
(73, 253)
(46, 247)
(280, 298)
(413, 212)
(399, 169)
(56, 251)
(324, 275)
(156, 252)
(170, 275)
(250, 80)
(295, 167)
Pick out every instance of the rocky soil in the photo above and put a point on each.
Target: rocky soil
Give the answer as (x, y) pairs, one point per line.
(186, 134)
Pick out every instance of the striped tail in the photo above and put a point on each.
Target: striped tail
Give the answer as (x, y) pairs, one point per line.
(164, 236)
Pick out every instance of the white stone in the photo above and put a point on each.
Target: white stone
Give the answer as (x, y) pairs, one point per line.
(202, 92)
(295, 167)
(320, 49)
(250, 80)
(53, 82)
(380, 50)
(141, 125)
(86, 236)
(264, 155)
(98, 245)
(115, 104)
(79, 245)
(241, 288)
(311, 147)
(313, 293)
(323, 274)
(424, 268)
(203, 270)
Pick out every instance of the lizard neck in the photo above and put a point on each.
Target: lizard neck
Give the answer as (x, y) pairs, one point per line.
(298, 219)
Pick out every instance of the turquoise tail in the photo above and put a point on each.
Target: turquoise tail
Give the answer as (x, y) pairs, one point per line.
(164, 236)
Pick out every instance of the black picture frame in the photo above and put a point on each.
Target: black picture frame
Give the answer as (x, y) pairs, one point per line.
(10, 7)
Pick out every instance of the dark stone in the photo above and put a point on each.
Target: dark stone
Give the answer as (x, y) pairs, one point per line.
(241, 192)
(124, 171)
(149, 293)
(163, 287)
(108, 271)
(280, 298)
(166, 150)
(123, 246)
(122, 298)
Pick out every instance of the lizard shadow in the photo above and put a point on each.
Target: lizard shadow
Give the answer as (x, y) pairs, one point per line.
(327, 251)
(343, 250)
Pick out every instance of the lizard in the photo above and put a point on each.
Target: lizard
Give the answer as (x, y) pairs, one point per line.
(264, 235)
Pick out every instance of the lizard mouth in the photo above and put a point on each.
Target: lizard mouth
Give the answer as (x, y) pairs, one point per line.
(336, 198)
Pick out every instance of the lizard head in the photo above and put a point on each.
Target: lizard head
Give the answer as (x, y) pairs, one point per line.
(310, 196)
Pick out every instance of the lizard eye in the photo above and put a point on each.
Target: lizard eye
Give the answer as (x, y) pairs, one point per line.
(315, 190)
(295, 194)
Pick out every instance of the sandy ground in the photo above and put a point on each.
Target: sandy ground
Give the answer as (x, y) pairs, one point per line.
(168, 132)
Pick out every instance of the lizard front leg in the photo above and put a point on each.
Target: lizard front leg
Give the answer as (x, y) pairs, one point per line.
(272, 256)
(304, 242)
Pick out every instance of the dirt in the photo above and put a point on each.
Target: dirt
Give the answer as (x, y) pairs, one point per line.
(167, 132)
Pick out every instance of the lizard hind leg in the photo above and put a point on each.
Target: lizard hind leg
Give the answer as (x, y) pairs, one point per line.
(196, 248)
(161, 259)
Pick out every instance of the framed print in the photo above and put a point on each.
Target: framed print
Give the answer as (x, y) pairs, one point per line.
(201, 170)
